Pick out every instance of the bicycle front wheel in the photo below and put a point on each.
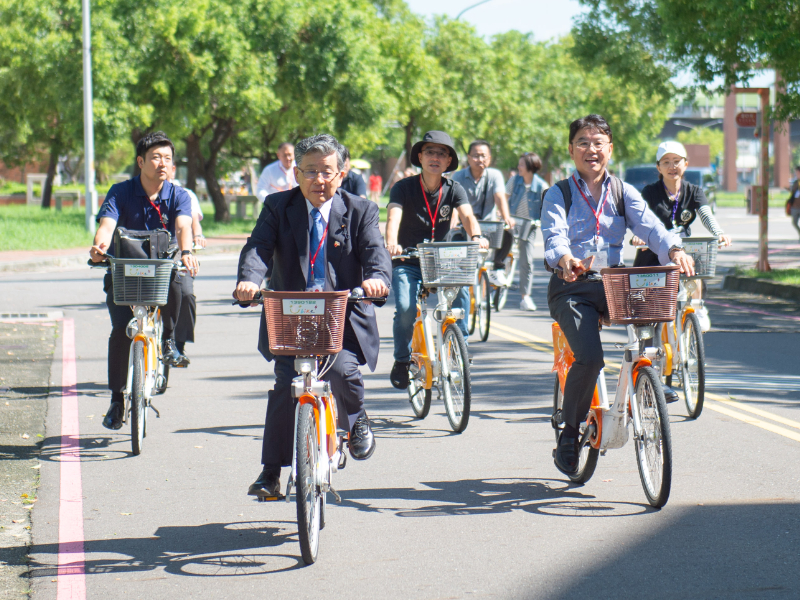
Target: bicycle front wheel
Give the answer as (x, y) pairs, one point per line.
(501, 294)
(138, 406)
(420, 398)
(456, 387)
(587, 461)
(474, 307)
(308, 494)
(653, 442)
(694, 367)
(485, 310)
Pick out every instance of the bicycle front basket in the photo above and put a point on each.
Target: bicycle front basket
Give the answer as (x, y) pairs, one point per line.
(641, 295)
(522, 227)
(448, 263)
(493, 231)
(305, 323)
(704, 253)
(141, 281)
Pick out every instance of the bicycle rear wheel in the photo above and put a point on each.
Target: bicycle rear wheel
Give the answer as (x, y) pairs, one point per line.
(693, 370)
(587, 462)
(474, 304)
(308, 494)
(420, 398)
(138, 407)
(653, 442)
(485, 310)
(456, 387)
(501, 294)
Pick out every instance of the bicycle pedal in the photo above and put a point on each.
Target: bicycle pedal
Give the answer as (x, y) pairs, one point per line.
(269, 498)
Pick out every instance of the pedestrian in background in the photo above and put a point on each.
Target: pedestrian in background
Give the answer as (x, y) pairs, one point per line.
(525, 192)
(794, 201)
(278, 176)
(351, 181)
(375, 187)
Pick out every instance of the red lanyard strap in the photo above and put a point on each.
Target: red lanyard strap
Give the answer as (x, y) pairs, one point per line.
(428, 206)
(322, 241)
(158, 210)
(599, 210)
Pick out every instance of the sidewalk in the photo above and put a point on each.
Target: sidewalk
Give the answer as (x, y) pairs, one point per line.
(69, 258)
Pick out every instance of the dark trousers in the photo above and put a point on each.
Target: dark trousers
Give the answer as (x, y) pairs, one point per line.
(504, 250)
(184, 330)
(347, 387)
(577, 307)
(119, 343)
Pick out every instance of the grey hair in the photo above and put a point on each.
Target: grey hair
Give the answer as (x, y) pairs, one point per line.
(322, 143)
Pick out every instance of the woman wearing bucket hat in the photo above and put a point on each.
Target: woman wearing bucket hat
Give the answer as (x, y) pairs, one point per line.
(421, 209)
(677, 203)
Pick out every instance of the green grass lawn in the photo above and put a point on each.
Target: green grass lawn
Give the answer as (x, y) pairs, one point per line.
(737, 199)
(790, 276)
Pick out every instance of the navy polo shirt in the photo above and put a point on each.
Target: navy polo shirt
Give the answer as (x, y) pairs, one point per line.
(128, 204)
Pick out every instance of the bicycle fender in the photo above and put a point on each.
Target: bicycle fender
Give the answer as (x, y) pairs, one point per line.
(642, 362)
(312, 400)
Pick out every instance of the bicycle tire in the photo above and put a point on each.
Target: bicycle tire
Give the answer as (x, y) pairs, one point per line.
(694, 367)
(501, 294)
(457, 387)
(162, 368)
(472, 317)
(307, 491)
(587, 461)
(138, 407)
(485, 312)
(654, 443)
(420, 399)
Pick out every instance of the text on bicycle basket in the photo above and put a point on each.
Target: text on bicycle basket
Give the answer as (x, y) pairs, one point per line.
(292, 306)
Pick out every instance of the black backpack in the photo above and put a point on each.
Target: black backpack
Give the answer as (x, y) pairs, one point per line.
(616, 193)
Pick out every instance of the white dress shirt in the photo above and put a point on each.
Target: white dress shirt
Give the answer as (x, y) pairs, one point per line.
(274, 178)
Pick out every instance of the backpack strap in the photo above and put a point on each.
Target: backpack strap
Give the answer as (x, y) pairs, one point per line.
(616, 193)
(566, 193)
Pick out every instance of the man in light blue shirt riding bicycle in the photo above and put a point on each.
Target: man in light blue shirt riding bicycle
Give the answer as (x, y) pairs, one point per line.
(584, 219)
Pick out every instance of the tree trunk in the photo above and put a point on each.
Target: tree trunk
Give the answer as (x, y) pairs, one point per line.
(409, 133)
(192, 160)
(52, 165)
(221, 132)
(546, 174)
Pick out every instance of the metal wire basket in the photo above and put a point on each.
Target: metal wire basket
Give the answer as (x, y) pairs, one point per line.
(448, 263)
(704, 252)
(305, 323)
(141, 281)
(493, 231)
(522, 227)
(641, 295)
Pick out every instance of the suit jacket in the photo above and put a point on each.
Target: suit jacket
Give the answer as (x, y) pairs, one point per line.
(354, 251)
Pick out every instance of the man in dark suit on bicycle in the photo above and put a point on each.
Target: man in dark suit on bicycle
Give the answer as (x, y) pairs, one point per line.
(317, 237)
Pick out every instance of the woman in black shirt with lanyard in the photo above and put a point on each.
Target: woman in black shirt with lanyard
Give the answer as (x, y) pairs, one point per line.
(677, 203)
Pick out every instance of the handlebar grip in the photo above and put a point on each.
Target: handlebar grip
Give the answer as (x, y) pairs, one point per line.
(256, 300)
(103, 264)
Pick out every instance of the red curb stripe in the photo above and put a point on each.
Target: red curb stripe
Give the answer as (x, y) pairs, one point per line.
(71, 560)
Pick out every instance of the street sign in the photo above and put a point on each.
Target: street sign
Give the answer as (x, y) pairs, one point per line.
(747, 119)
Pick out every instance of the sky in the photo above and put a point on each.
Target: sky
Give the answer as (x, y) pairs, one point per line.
(546, 19)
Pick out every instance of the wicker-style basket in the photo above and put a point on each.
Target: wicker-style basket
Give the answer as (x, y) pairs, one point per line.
(448, 263)
(641, 295)
(704, 252)
(305, 323)
(141, 281)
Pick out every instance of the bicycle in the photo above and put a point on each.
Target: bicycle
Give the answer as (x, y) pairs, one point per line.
(438, 350)
(638, 298)
(142, 284)
(682, 340)
(310, 327)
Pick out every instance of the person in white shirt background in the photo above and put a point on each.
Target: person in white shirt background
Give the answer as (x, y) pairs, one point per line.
(278, 176)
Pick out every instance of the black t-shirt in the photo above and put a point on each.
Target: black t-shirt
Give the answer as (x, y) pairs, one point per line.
(415, 225)
(355, 184)
(691, 198)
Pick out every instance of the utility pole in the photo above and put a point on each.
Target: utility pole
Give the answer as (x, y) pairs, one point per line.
(90, 193)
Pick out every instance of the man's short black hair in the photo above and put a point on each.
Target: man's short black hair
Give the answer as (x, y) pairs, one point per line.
(479, 143)
(345, 153)
(595, 122)
(153, 140)
(284, 144)
(532, 162)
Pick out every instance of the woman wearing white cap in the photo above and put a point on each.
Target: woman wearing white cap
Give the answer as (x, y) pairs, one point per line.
(677, 203)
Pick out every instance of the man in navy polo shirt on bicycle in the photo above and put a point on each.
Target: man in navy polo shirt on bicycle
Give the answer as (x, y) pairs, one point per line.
(601, 209)
(146, 202)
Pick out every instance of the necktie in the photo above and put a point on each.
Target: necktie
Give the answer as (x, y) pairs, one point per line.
(316, 270)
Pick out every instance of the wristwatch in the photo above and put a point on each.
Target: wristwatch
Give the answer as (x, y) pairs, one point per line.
(185, 252)
(476, 236)
(669, 254)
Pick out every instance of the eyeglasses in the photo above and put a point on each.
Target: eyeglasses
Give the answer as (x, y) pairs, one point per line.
(674, 164)
(436, 153)
(584, 146)
(312, 175)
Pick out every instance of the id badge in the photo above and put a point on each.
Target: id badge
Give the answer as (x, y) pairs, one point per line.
(600, 252)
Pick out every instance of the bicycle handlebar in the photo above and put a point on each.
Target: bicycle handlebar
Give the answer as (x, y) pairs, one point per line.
(356, 295)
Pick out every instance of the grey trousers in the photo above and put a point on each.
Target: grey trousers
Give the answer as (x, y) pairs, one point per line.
(526, 263)
(796, 218)
(577, 307)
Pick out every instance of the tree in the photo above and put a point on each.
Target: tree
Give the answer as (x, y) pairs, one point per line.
(714, 138)
(716, 40)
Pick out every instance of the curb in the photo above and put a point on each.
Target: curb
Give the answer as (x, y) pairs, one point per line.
(75, 261)
(762, 287)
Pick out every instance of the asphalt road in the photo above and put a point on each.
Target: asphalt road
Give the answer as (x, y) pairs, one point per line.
(432, 514)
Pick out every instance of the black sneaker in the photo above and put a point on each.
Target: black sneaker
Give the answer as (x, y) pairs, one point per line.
(114, 414)
(670, 395)
(361, 441)
(399, 375)
(173, 356)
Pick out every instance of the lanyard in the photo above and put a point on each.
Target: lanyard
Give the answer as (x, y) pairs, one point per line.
(675, 199)
(428, 206)
(322, 241)
(599, 210)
